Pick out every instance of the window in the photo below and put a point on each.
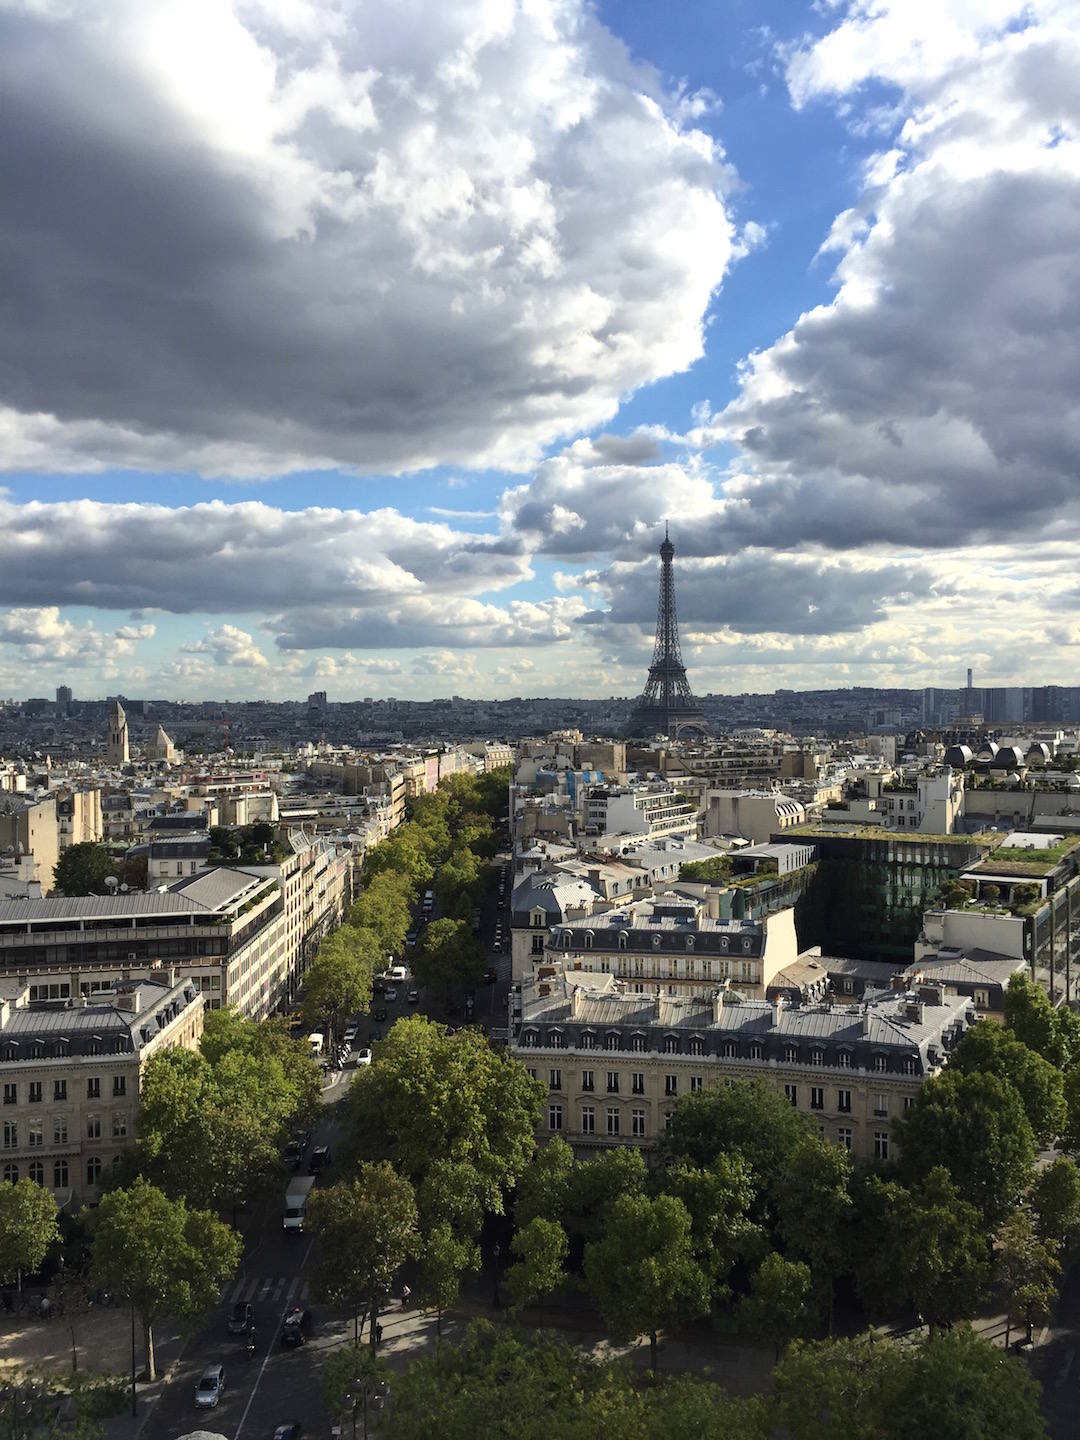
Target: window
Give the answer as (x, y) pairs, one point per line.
(696, 1046)
(59, 1090)
(755, 1050)
(911, 1065)
(36, 1172)
(791, 1094)
(555, 1039)
(637, 1082)
(623, 939)
(909, 1101)
(11, 1135)
(538, 944)
(843, 1101)
(588, 1040)
(11, 1094)
(59, 1174)
(881, 1105)
(93, 1088)
(671, 1044)
(791, 1054)
(531, 1072)
(671, 1084)
(613, 1082)
(637, 1124)
(588, 1120)
(93, 1127)
(982, 999)
(554, 1117)
(528, 1039)
(669, 1123)
(33, 1092)
(554, 1079)
(881, 1062)
(637, 1043)
(881, 1144)
(587, 1080)
(611, 1040)
(36, 1133)
(93, 1170)
(656, 942)
(612, 1121)
(696, 1084)
(843, 1138)
(59, 1132)
(731, 1049)
(817, 1056)
(843, 1059)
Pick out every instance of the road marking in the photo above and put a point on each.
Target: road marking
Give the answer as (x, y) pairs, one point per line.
(270, 1351)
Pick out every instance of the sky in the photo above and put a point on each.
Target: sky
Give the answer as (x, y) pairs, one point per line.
(368, 347)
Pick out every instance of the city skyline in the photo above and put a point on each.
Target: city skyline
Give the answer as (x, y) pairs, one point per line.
(373, 358)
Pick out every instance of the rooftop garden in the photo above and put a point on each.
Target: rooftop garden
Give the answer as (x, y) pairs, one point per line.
(1019, 860)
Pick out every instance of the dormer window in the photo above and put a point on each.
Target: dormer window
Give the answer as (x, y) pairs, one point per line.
(656, 942)
(588, 939)
(911, 1065)
(612, 1040)
(697, 1045)
(555, 1039)
(755, 1050)
(843, 1059)
(817, 1056)
(671, 1044)
(588, 1040)
(689, 942)
(637, 1041)
(624, 940)
(791, 1054)
(529, 1038)
(731, 1049)
(566, 939)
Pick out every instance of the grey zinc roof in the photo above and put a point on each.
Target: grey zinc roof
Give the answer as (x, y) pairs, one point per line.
(213, 889)
(97, 907)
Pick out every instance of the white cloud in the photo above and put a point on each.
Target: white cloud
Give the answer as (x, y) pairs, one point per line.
(228, 645)
(42, 634)
(305, 235)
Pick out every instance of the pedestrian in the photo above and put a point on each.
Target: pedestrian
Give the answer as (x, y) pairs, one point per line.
(405, 1293)
(378, 1333)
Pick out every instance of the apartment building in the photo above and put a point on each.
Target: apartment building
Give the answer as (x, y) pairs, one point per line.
(70, 1077)
(78, 814)
(29, 827)
(756, 815)
(615, 1062)
(647, 811)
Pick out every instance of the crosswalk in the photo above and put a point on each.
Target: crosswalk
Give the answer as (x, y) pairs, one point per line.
(283, 1290)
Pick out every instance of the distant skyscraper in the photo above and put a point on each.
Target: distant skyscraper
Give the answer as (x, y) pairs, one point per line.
(666, 705)
(970, 672)
(63, 698)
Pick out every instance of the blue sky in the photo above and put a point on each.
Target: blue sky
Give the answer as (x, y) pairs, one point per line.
(372, 358)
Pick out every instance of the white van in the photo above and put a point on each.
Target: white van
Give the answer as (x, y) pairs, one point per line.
(315, 1043)
(397, 974)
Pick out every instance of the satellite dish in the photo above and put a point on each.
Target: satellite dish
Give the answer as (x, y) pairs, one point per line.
(112, 882)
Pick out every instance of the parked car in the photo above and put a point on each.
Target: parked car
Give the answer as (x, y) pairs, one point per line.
(413, 997)
(379, 1014)
(363, 1057)
(320, 1159)
(210, 1387)
(410, 939)
(295, 1327)
(241, 1319)
(391, 994)
(290, 1430)
(350, 1034)
(491, 974)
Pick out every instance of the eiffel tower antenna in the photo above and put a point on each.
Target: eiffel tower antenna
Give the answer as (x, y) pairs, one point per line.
(667, 705)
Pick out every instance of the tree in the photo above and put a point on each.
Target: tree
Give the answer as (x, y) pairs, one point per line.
(812, 1200)
(1027, 1267)
(383, 908)
(775, 1310)
(28, 1226)
(83, 869)
(1032, 1019)
(406, 853)
(976, 1127)
(953, 1384)
(448, 959)
(444, 1259)
(641, 1274)
(163, 1258)
(993, 1050)
(748, 1117)
(718, 1199)
(595, 1186)
(923, 1249)
(431, 1096)
(458, 879)
(352, 1376)
(267, 1047)
(452, 1193)
(543, 1190)
(338, 981)
(367, 1229)
(1055, 1197)
(542, 1249)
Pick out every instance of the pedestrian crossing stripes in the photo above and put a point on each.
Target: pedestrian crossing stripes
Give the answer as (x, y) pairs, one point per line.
(283, 1290)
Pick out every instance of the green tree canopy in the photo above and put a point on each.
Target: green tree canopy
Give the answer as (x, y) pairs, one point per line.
(160, 1256)
(994, 1050)
(83, 869)
(543, 1189)
(1032, 1019)
(28, 1226)
(448, 959)
(444, 1259)
(922, 1249)
(383, 908)
(718, 1199)
(953, 1385)
(976, 1127)
(641, 1273)
(595, 1186)
(542, 1250)
(406, 853)
(367, 1230)
(776, 1309)
(1028, 1268)
(812, 1200)
(1055, 1197)
(338, 981)
(750, 1118)
(430, 1096)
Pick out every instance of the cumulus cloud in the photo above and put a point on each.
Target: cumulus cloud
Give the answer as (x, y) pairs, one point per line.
(423, 621)
(237, 558)
(228, 645)
(245, 237)
(42, 634)
(934, 401)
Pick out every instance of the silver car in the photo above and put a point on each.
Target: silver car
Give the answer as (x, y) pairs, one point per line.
(210, 1388)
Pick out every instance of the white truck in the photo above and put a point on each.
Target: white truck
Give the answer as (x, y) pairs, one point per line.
(296, 1198)
(315, 1042)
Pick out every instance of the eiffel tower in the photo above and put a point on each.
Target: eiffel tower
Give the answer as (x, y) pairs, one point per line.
(667, 705)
